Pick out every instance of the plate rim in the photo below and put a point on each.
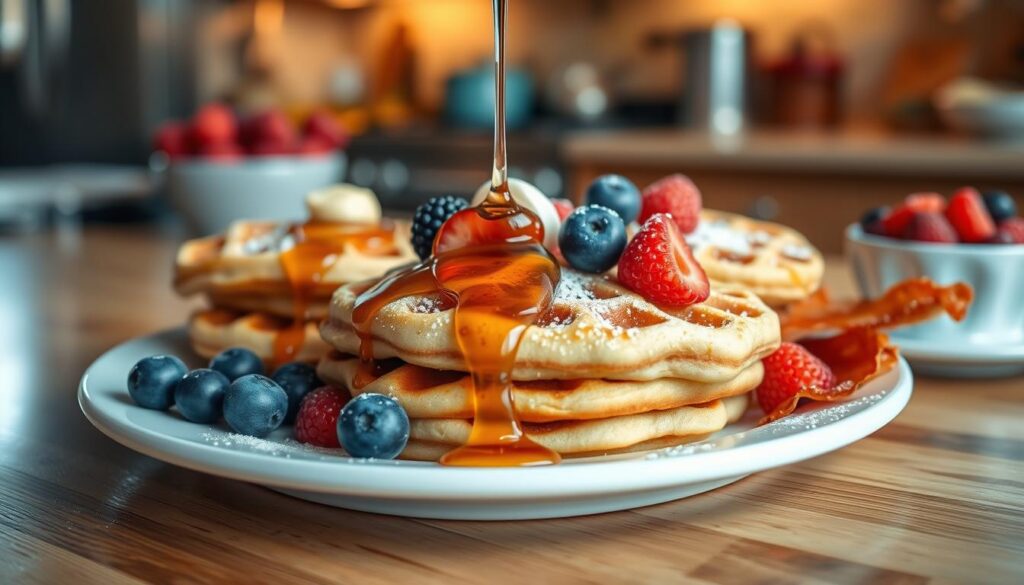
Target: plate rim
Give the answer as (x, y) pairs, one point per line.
(429, 481)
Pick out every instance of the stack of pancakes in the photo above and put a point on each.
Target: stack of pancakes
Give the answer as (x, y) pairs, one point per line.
(603, 371)
(253, 298)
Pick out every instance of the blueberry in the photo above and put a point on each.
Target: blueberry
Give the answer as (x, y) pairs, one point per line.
(592, 238)
(237, 362)
(373, 425)
(151, 381)
(255, 405)
(297, 379)
(873, 216)
(1000, 205)
(616, 193)
(199, 396)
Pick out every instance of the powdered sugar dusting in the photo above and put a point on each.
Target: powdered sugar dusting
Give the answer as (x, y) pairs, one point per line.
(721, 235)
(573, 287)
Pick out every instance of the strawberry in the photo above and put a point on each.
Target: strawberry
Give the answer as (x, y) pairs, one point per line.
(926, 202)
(323, 126)
(172, 139)
(930, 227)
(270, 132)
(213, 124)
(563, 207)
(896, 222)
(966, 211)
(317, 420)
(659, 265)
(788, 371)
(1012, 230)
(675, 195)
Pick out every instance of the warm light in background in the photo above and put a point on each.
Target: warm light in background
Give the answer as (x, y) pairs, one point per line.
(348, 3)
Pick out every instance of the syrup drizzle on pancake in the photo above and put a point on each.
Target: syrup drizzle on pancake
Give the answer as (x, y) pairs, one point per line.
(501, 280)
(317, 246)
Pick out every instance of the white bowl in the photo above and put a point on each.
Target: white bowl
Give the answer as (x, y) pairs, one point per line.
(995, 272)
(212, 194)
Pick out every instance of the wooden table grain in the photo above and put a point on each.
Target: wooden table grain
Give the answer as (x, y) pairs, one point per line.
(936, 496)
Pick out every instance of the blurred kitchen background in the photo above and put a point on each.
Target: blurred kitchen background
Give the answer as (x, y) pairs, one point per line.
(800, 111)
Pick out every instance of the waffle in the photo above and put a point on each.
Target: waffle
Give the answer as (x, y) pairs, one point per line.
(427, 393)
(242, 269)
(594, 329)
(212, 331)
(775, 262)
(429, 439)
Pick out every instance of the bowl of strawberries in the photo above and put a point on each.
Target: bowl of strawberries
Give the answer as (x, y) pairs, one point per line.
(969, 237)
(220, 166)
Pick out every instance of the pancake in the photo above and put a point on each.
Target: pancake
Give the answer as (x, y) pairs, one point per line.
(773, 261)
(212, 331)
(431, 438)
(242, 269)
(427, 393)
(594, 329)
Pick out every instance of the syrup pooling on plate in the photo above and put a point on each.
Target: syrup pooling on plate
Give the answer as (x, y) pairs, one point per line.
(316, 247)
(487, 261)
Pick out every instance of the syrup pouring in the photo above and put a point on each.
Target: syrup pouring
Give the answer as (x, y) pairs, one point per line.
(488, 263)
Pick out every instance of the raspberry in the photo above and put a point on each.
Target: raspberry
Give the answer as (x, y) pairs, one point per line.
(788, 371)
(967, 213)
(675, 195)
(896, 222)
(926, 202)
(930, 227)
(658, 265)
(317, 421)
(429, 218)
(1012, 229)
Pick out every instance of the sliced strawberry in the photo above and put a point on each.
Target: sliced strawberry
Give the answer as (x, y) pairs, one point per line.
(471, 227)
(789, 371)
(659, 265)
(967, 213)
(930, 227)
(926, 202)
(675, 195)
(896, 222)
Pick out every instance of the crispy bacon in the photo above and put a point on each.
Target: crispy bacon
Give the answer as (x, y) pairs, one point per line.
(911, 301)
(860, 352)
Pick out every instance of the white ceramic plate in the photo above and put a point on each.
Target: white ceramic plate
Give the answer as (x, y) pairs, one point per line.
(961, 360)
(576, 487)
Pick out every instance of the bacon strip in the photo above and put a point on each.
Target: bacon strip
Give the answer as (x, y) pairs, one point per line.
(860, 352)
(911, 301)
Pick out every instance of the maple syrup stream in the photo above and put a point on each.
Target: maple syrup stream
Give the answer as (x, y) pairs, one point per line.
(499, 282)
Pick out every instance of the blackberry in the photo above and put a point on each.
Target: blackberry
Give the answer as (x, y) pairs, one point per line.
(428, 220)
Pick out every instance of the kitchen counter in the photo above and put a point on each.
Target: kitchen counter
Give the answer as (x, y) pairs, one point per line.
(934, 495)
(846, 152)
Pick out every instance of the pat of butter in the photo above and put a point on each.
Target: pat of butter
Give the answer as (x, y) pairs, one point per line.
(344, 203)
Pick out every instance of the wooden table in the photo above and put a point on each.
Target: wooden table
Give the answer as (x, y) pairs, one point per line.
(936, 495)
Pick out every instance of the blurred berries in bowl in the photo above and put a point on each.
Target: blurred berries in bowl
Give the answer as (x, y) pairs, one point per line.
(221, 167)
(971, 237)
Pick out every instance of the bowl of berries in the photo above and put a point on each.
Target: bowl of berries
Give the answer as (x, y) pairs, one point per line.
(969, 237)
(219, 166)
